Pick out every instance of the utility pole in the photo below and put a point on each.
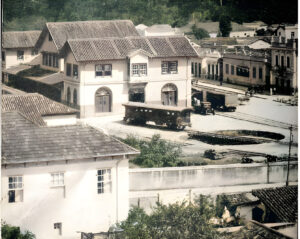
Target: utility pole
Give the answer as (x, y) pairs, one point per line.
(288, 165)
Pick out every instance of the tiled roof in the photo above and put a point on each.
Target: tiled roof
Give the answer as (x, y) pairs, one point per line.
(25, 142)
(255, 230)
(63, 31)
(119, 48)
(282, 201)
(240, 199)
(16, 69)
(52, 79)
(25, 39)
(33, 106)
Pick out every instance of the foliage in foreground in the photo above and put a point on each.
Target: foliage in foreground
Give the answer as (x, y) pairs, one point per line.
(12, 232)
(155, 153)
(178, 220)
(199, 33)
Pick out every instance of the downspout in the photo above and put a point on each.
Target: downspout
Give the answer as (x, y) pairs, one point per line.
(117, 189)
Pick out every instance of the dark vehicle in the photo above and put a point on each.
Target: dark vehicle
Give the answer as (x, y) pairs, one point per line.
(203, 107)
(223, 101)
(171, 116)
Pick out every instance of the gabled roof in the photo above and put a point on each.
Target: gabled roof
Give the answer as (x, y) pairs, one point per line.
(21, 39)
(63, 31)
(33, 106)
(119, 48)
(25, 142)
(282, 201)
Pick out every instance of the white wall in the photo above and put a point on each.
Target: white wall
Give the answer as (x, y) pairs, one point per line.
(82, 209)
(12, 60)
(242, 34)
(56, 120)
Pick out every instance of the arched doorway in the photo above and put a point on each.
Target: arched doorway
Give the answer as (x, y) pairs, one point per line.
(103, 99)
(169, 95)
(68, 95)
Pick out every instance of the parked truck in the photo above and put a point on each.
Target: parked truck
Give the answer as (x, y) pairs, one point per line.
(223, 101)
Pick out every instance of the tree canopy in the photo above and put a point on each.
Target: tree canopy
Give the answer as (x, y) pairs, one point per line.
(178, 220)
(12, 232)
(29, 14)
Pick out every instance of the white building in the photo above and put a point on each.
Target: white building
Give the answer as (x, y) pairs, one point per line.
(103, 70)
(61, 180)
(259, 44)
(287, 31)
(161, 30)
(18, 47)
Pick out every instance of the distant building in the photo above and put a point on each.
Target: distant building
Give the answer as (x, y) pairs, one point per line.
(18, 47)
(248, 69)
(239, 30)
(284, 65)
(287, 32)
(259, 44)
(61, 180)
(158, 30)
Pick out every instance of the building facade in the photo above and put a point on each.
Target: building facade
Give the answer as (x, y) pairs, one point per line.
(284, 65)
(101, 82)
(18, 47)
(64, 180)
(248, 70)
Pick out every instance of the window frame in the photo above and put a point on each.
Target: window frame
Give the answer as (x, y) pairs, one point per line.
(232, 70)
(276, 60)
(138, 68)
(166, 67)
(282, 61)
(288, 63)
(73, 71)
(254, 72)
(103, 70)
(102, 182)
(16, 187)
(20, 55)
(60, 181)
(260, 73)
(3, 56)
(227, 69)
(68, 69)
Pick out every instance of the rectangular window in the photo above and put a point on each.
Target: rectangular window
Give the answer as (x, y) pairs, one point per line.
(192, 68)
(232, 70)
(282, 60)
(213, 69)
(69, 69)
(57, 179)
(199, 71)
(169, 67)
(58, 227)
(208, 68)
(46, 55)
(50, 59)
(44, 58)
(217, 69)
(195, 73)
(242, 71)
(75, 71)
(292, 35)
(254, 72)
(34, 52)
(103, 70)
(227, 69)
(139, 69)
(288, 62)
(3, 55)
(260, 73)
(20, 55)
(15, 189)
(104, 183)
(276, 60)
(55, 60)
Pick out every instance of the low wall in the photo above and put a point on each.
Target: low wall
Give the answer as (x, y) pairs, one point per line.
(169, 185)
(210, 176)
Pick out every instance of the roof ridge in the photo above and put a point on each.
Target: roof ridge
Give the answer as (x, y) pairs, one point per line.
(22, 31)
(115, 20)
(171, 45)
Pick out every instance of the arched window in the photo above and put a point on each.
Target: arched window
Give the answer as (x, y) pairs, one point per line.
(75, 97)
(68, 95)
(169, 95)
(103, 99)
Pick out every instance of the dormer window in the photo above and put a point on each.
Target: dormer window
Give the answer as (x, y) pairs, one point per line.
(139, 69)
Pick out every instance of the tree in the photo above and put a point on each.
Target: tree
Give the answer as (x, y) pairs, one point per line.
(156, 152)
(199, 33)
(12, 232)
(178, 220)
(225, 25)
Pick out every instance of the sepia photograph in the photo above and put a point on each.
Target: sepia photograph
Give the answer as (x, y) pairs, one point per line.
(149, 119)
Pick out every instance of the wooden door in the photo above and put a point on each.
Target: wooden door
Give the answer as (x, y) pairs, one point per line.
(103, 103)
